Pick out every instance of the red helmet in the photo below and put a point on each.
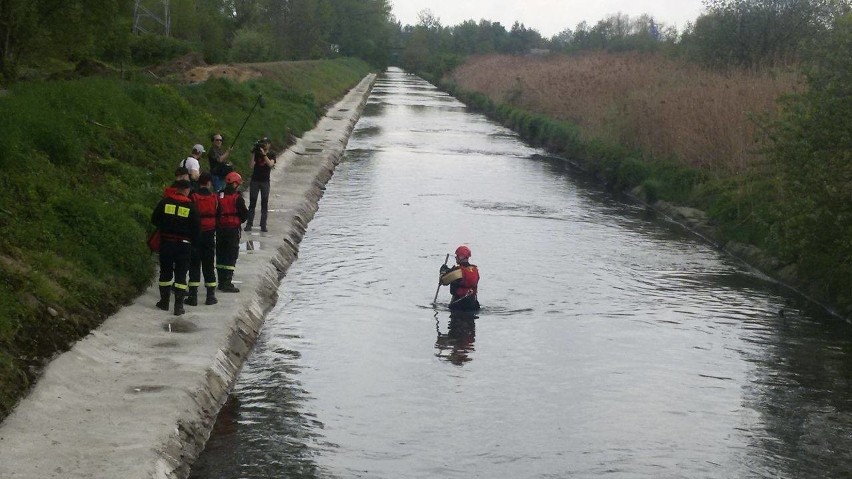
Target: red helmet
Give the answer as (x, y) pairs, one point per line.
(233, 177)
(463, 252)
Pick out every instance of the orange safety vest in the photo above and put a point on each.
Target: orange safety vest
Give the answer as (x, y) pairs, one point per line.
(206, 206)
(469, 281)
(228, 215)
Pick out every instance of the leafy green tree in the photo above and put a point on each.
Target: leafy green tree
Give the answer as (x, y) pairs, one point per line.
(616, 33)
(18, 20)
(756, 32)
(812, 146)
(62, 29)
(466, 38)
(308, 26)
(250, 45)
(522, 39)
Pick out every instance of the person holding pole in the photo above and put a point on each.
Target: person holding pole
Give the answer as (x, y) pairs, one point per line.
(463, 279)
(220, 164)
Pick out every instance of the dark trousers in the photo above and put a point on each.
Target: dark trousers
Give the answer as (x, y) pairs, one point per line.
(218, 183)
(465, 303)
(256, 187)
(174, 263)
(227, 248)
(203, 258)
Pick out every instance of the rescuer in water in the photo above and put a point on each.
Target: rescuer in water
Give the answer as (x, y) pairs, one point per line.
(463, 279)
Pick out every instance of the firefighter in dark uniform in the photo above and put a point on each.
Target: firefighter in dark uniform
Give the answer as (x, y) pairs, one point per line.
(463, 279)
(176, 218)
(204, 250)
(232, 213)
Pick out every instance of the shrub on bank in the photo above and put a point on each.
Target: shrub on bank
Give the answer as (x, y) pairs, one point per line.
(149, 49)
(86, 161)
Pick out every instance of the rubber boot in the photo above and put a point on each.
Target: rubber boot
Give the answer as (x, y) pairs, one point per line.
(231, 287)
(211, 296)
(225, 284)
(192, 297)
(165, 292)
(179, 295)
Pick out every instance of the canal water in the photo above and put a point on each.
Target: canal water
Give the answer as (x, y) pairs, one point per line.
(611, 343)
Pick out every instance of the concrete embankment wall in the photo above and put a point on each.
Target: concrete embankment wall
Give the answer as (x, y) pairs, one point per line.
(137, 398)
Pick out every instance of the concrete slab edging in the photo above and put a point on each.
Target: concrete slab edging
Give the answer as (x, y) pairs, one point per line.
(137, 397)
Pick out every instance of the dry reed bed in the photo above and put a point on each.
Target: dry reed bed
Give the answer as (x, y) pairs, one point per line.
(667, 108)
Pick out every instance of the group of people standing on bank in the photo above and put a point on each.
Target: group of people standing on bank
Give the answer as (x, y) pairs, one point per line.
(200, 219)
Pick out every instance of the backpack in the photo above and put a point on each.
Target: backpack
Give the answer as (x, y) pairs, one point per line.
(154, 241)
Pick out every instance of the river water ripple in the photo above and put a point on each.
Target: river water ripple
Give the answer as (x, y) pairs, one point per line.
(611, 343)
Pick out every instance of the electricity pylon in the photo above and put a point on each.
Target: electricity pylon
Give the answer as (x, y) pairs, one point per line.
(146, 21)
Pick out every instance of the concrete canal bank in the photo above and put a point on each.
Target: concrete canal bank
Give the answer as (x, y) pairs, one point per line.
(137, 397)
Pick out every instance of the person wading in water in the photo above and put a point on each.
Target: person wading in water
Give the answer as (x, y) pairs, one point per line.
(463, 279)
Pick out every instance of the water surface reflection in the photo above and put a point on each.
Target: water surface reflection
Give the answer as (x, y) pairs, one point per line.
(456, 345)
(610, 343)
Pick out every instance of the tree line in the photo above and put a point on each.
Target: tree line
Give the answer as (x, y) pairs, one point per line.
(729, 33)
(38, 33)
(744, 33)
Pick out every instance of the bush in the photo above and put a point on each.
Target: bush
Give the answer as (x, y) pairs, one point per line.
(150, 49)
(632, 172)
(250, 45)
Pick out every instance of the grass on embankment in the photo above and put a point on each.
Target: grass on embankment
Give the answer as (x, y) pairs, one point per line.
(668, 131)
(84, 163)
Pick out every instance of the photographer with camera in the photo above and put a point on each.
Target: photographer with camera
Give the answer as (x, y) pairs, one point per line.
(263, 161)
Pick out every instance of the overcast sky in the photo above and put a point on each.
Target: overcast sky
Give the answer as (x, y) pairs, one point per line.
(549, 17)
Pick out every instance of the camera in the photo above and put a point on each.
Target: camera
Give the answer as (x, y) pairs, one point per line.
(263, 142)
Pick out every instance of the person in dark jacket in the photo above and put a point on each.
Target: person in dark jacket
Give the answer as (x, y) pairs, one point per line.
(262, 164)
(232, 213)
(204, 250)
(177, 219)
(463, 279)
(220, 164)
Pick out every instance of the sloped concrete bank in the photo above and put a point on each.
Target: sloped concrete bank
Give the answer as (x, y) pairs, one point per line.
(770, 267)
(767, 266)
(137, 398)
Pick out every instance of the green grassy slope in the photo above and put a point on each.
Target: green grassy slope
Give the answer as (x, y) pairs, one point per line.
(84, 163)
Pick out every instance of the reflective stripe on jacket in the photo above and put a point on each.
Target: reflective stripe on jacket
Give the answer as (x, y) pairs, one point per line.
(176, 217)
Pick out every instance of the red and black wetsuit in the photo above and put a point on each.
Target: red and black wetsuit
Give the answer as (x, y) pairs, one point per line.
(464, 289)
(177, 219)
(232, 213)
(204, 250)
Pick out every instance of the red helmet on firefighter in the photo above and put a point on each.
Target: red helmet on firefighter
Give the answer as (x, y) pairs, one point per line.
(463, 252)
(233, 177)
